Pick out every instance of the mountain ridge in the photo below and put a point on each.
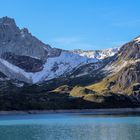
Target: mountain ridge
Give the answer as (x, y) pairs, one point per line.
(34, 75)
(18, 47)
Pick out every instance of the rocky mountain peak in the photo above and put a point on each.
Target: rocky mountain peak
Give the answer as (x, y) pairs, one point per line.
(7, 21)
(19, 41)
(8, 29)
(130, 50)
(8, 24)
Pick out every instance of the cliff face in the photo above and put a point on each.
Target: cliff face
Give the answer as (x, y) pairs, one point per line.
(20, 42)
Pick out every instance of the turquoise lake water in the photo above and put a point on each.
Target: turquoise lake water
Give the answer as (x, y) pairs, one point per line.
(70, 127)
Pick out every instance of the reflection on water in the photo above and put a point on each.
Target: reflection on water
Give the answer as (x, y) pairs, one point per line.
(69, 127)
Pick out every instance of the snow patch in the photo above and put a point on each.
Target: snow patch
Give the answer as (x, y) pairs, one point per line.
(97, 54)
(65, 63)
(137, 39)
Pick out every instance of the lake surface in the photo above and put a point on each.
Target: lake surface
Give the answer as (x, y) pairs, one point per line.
(68, 126)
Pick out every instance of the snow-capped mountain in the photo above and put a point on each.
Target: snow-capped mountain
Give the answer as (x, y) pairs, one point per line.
(98, 54)
(25, 58)
(34, 75)
(52, 68)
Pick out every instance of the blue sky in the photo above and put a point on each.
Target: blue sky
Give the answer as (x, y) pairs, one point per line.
(73, 24)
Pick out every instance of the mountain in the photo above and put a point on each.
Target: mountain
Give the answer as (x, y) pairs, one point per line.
(115, 84)
(25, 58)
(33, 75)
(98, 54)
(124, 69)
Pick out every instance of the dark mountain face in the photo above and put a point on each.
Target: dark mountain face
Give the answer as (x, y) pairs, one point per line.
(26, 63)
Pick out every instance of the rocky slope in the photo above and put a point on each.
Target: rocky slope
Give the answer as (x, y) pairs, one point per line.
(124, 70)
(115, 84)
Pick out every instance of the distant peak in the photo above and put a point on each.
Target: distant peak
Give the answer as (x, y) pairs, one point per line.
(6, 21)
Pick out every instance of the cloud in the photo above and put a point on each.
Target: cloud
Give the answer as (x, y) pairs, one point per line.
(66, 40)
(72, 43)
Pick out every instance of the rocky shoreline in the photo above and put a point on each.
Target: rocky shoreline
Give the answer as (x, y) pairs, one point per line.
(109, 111)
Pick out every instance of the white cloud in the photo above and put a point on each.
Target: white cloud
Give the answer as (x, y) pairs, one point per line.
(67, 40)
(72, 43)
